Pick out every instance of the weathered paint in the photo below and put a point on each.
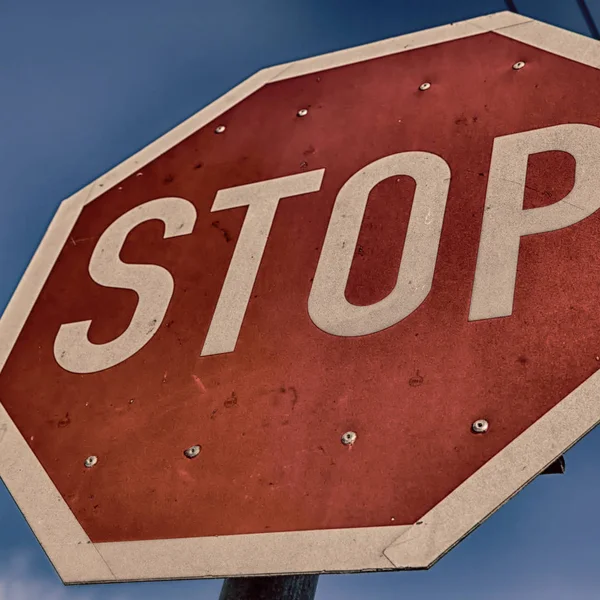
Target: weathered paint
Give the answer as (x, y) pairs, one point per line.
(269, 415)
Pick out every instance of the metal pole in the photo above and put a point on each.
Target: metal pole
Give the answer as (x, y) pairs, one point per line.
(511, 6)
(285, 587)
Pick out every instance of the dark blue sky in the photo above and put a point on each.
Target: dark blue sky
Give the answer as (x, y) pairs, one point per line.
(86, 84)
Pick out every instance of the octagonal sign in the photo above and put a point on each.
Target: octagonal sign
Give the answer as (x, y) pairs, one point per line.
(330, 323)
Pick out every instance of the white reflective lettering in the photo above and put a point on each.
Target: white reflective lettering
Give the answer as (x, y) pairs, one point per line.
(505, 221)
(153, 284)
(327, 304)
(262, 199)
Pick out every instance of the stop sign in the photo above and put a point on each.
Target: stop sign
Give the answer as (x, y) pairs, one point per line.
(330, 323)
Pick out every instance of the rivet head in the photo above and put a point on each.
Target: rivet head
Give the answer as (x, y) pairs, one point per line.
(302, 112)
(90, 461)
(349, 438)
(424, 86)
(518, 65)
(220, 129)
(480, 426)
(192, 451)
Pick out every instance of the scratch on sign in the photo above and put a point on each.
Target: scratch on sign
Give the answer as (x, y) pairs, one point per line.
(199, 384)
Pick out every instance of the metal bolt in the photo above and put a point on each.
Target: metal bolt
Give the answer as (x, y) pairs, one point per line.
(220, 129)
(192, 451)
(90, 461)
(349, 438)
(302, 112)
(480, 426)
(424, 86)
(518, 65)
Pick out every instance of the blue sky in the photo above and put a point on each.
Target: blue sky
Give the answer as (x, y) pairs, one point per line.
(86, 84)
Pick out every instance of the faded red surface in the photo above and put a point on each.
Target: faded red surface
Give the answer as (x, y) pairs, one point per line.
(269, 416)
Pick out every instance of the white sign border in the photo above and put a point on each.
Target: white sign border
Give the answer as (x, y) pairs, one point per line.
(78, 560)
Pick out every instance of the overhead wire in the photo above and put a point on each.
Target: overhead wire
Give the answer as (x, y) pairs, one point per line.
(589, 19)
(583, 7)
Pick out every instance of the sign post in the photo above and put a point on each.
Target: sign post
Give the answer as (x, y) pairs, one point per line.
(329, 324)
(285, 587)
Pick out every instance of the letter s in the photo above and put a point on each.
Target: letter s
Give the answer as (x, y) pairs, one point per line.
(153, 284)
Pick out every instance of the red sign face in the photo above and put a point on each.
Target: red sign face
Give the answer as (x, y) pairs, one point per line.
(291, 320)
